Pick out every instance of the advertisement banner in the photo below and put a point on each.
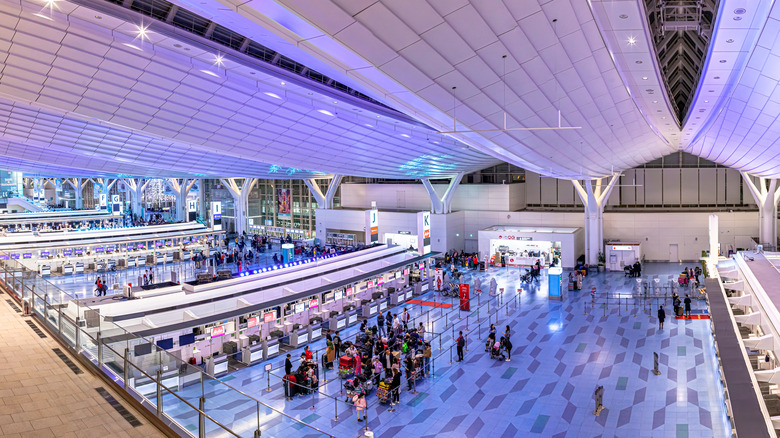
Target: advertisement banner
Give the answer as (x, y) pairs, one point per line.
(103, 201)
(269, 317)
(217, 331)
(464, 297)
(216, 216)
(424, 232)
(251, 322)
(439, 275)
(283, 204)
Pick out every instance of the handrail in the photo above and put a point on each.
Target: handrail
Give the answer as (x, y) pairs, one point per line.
(6, 264)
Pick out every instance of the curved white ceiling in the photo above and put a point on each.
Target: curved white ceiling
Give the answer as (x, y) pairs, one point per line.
(83, 84)
(410, 54)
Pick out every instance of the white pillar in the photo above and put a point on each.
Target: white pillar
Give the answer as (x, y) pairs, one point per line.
(240, 199)
(766, 197)
(181, 187)
(442, 205)
(594, 201)
(78, 187)
(325, 200)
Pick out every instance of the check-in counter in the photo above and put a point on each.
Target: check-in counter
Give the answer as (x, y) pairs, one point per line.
(352, 317)
(160, 259)
(79, 268)
(370, 309)
(299, 337)
(338, 323)
(217, 365)
(45, 270)
(169, 258)
(270, 348)
(252, 354)
(399, 296)
(67, 269)
(383, 305)
(423, 286)
(316, 333)
(140, 261)
(131, 262)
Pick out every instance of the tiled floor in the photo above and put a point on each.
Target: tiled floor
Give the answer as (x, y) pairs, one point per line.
(40, 396)
(562, 351)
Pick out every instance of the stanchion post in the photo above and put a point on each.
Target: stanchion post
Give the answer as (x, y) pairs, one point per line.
(450, 354)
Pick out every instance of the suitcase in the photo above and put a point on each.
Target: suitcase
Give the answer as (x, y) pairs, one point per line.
(289, 387)
(680, 311)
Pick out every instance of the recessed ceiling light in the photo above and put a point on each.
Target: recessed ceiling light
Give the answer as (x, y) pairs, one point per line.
(644, 78)
(737, 18)
(739, 11)
(638, 62)
(132, 46)
(178, 46)
(99, 17)
(655, 101)
(370, 126)
(730, 40)
(326, 112)
(706, 101)
(663, 117)
(219, 59)
(658, 111)
(631, 40)
(335, 101)
(210, 73)
(44, 17)
(51, 5)
(142, 32)
(282, 83)
(274, 95)
(623, 16)
(722, 61)
(405, 135)
(716, 77)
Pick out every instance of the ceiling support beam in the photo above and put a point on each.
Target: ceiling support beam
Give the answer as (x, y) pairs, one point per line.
(181, 188)
(240, 199)
(766, 195)
(442, 205)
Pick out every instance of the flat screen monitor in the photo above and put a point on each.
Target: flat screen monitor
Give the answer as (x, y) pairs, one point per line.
(3, 256)
(186, 339)
(130, 246)
(99, 249)
(44, 253)
(142, 349)
(110, 248)
(165, 344)
(78, 251)
(140, 246)
(159, 244)
(168, 242)
(67, 252)
(15, 256)
(27, 255)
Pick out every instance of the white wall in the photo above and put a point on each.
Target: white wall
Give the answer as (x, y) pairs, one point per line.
(491, 197)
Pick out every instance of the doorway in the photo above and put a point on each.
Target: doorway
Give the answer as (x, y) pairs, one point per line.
(673, 253)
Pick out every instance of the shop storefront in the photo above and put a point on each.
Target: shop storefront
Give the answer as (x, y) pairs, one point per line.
(404, 240)
(524, 246)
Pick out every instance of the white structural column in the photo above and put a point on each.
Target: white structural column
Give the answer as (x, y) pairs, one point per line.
(78, 186)
(766, 195)
(106, 184)
(594, 201)
(240, 199)
(442, 205)
(324, 201)
(181, 187)
(53, 183)
(202, 198)
(136, 187)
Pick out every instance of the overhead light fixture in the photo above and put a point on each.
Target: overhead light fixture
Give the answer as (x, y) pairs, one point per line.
(623, 16)
(210, 73)
(737, 18)
(43, 16)
(51, 5)
(133, 46)
(282, 82)
(655, 101)
(631, 40)
(730, 40)
(706, 101)
(722, 61)
(739, 11)
(644, 78)
(405, 135)
(219, 59)
(638, 62)
(326, 112)
(274, 95)
(370, 126)
(142, 32)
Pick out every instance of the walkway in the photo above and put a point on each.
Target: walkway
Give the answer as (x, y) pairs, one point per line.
(562, 351)
(44, 394)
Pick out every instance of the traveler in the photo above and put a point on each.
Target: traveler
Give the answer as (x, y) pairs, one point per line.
(661, 317)
(508, 343)
(461, 342)
(288, 366)
(380, 322)
(360, 404)
(687, 306)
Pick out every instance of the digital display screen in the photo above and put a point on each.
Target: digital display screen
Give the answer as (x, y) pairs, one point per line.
(3, 257)
(313, 303)
(99, 249)
(44, 253)
(27, 255)
(79, 251)
(67, 252)
(217, 331)
(15, 256)
(406, 271)
(299, 307)
(349, 291)
(339, 294)
(159, 244)
(269, 317)
(211, 237)
(140, 246)
(130, 246)
(110, 248)
(251, 322)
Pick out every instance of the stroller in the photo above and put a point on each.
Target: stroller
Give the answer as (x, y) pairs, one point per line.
(526, 277)
(346, 366)
(497, 352)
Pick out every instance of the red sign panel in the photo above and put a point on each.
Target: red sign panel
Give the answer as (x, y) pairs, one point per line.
(269, 317)
(464, 297)
(217, 331)
(374, 230)
(251, 322)
(313, 303)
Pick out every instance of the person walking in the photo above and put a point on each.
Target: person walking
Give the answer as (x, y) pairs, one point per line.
(661, 317)
(687, 302)
(337, 344)
(380, 324)
(405, 318)
(508, 343)
(461, 342)
(395, 389)
(360, 404)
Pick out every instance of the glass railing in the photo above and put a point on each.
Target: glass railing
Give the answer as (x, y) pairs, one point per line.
(186, 398)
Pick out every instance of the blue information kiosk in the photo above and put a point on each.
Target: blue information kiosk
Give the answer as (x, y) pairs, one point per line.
(554, 275)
